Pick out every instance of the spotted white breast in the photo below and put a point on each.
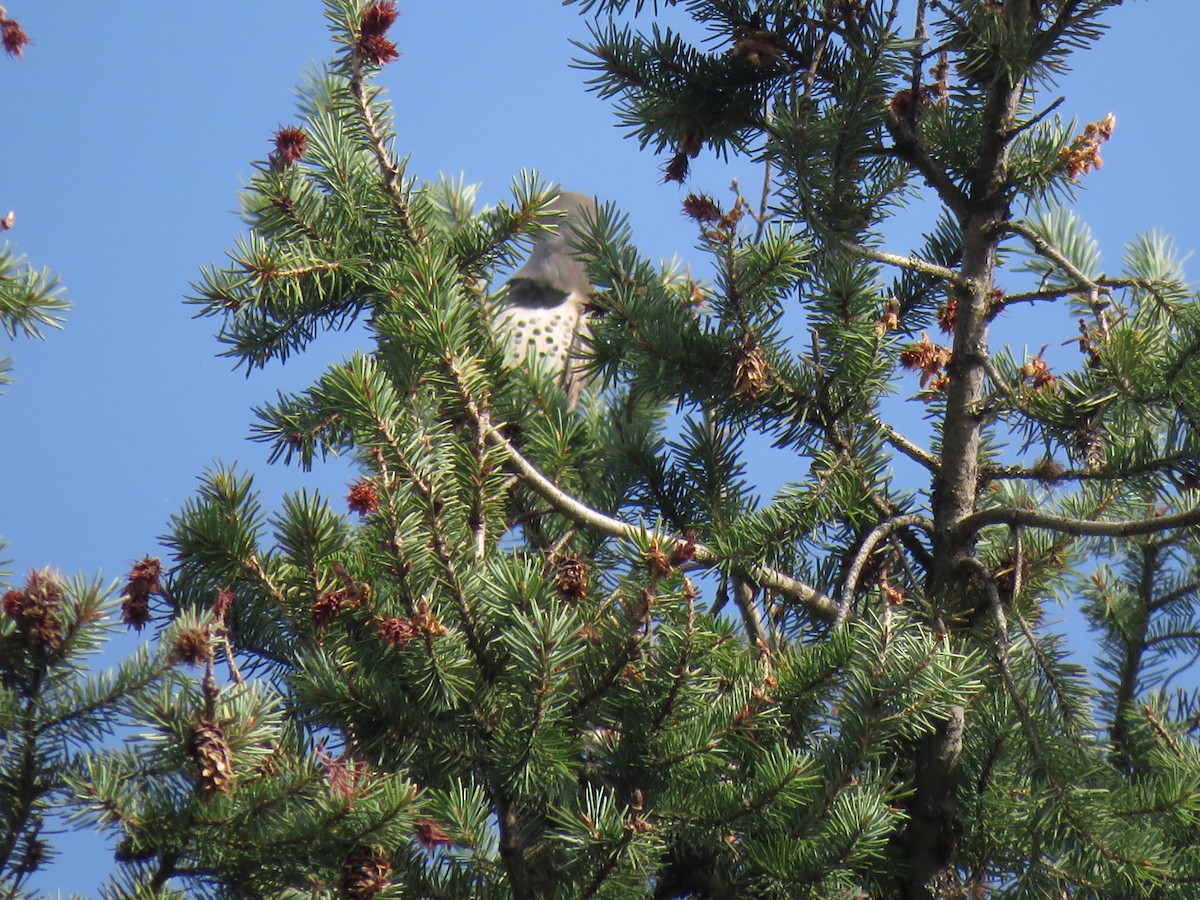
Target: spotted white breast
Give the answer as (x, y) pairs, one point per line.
(543, 314)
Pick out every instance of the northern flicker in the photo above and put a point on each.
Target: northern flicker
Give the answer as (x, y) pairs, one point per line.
(544, 314)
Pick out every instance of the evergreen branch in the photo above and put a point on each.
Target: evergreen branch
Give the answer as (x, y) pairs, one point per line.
(284, 203)
(1171, 636)
(254, 568)
(30, 299)
(1001, 652)
(818, 52)
(512, 845)
(911, 263)
(682, 669)
(263, 275)
(1132, 628)
(478, 511)
(1030, 518)
(624, 656)
(388, 167)
(763, 801)
(1008, 300)
(1163, 734)
(1166, 600)
(883, 505)
(1056, 476)
(878, 533)
(111, 693)
(1005, 389)
(610, 863)
(743, 598)
(441, 548)
(764, 576)
(1018, 563)
(1044, 248)
(20, 816)
(163, 872)
(1055, 683)
(917, 73)
(1034, 120)
(1185, 356)
(543, 687)
(1069, 290)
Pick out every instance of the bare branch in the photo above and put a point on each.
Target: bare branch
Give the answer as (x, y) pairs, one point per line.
(815, 602)
(1031, 518)
(912, 263)
(810, 598)
(912, 450)
(743, 596)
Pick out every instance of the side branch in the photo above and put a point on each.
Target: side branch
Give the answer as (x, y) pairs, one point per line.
(879, 533)
(912, 263)
(1029, 518)
(913, 451)
(1045, 249)
(909, 148)
(816, 603)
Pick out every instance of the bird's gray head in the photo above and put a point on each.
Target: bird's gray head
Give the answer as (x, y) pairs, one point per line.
(554, 262)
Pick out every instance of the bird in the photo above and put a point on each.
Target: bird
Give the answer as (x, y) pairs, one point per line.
(543, 318)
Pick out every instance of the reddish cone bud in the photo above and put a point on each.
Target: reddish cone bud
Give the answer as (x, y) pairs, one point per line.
(371, 44)
(396, 632)
(12, 37)
(363, 498)
(701, 207)
(431, 836)
(143, 583)
(290, 144)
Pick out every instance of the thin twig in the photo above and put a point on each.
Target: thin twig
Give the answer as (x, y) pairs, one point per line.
(481, 522)
(1018, 564)
(1025, 126)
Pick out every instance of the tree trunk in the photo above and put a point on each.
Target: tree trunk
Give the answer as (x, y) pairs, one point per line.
(934, 829)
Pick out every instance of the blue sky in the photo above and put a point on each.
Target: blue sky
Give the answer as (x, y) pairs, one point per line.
(130, 126)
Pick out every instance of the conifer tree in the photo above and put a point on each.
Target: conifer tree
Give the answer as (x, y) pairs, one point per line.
(556, 650)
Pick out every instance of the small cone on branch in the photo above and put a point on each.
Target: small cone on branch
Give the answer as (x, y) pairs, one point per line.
(571, 577)
(144, 582)
(752, 374)
(36, 610)
(213, 757)
(192, 646)
(365, 872)
(1091, 447)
